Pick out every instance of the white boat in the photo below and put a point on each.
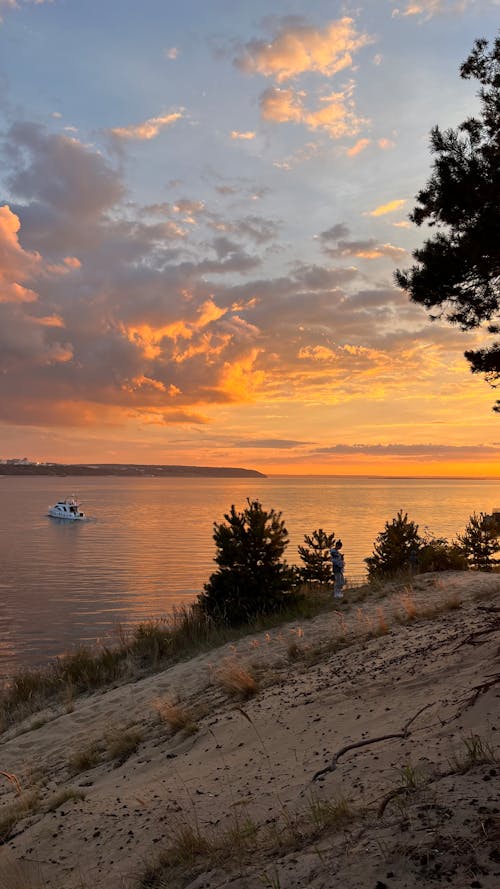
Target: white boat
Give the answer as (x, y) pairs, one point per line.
(68, 509)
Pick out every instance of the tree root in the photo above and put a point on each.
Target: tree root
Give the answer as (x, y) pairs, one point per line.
(404, 733)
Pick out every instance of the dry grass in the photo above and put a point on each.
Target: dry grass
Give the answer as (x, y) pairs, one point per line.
(146, 648)
(12, 813)
(236, 681)
(85, 758)
(478, 751)
(177, 716)
(122, 743)
(191, 853)
(64, 795)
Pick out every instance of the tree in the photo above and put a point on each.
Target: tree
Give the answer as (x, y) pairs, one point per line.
(316, 557)
(458, 269)
(251, 579)
(480, 541)
(395, 549)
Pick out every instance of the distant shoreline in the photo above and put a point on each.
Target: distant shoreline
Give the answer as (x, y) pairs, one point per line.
(127, 469)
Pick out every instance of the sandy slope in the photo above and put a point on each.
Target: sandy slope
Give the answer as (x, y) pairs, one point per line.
(258, 758)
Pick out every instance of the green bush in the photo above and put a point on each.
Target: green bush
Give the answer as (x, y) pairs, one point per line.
(251, 579)
(395, 549)
(436, 554)
(480, 541)
(316, 557)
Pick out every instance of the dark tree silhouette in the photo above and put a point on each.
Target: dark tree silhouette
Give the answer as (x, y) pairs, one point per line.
(395, 549)
(480, 541)
(458, 270)
(252, 579)
(316, 557)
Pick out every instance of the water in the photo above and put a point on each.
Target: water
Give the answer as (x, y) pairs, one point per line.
(148, 545)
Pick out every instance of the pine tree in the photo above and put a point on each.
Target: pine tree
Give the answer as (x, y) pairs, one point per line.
(458, 268)
(316, 557)
(395, 549)
(480, 541)
(251, 579)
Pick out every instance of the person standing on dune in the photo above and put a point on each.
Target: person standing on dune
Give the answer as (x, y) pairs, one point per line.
(338, 570)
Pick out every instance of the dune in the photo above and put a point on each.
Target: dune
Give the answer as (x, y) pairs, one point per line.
(359, 749)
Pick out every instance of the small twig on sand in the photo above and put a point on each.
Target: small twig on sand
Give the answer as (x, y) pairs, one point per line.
(403, 733)
(477, 691)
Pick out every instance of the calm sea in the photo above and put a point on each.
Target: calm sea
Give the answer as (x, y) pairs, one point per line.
(148, 544)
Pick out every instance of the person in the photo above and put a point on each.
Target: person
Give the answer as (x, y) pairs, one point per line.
(338, 570)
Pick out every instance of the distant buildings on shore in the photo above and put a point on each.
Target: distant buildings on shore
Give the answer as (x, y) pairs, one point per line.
(19, 461)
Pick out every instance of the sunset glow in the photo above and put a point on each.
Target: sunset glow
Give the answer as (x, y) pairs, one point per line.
(202, 210)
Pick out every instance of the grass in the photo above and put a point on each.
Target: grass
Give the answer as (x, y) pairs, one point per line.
(191, 852)
(63, 796)
(477, 751)
(176, 716)
(149, 646)
(236, 681)
(118, 744)
(122, 743)
(26, 803)
(85, 758)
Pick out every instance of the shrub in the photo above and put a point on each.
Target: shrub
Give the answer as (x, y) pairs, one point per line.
(436, 554)
(480, 541)
(251, 579)
(395, 549)
(316, 557)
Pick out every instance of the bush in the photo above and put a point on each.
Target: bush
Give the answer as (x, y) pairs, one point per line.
(395, 549)
(316, 557)
(480, 541)
(436, 554)
(251, 580)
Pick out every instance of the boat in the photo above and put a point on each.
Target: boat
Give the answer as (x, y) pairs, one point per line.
(68, 509)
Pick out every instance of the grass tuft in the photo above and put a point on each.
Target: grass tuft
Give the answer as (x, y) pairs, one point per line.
(176, 716)
(236, 681)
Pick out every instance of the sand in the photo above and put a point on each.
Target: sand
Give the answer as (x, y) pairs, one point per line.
(420, 812)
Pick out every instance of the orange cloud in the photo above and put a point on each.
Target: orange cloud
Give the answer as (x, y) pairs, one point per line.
(358, 147)
(249, 134)
(148, 129)
(240, 381)
(390, 207)
(16, 265)
(386, 144)
(429, 8)
(336, 116)
(299, 48)
(149, 339)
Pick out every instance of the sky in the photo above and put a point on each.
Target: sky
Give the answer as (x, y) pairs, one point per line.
(202, 205)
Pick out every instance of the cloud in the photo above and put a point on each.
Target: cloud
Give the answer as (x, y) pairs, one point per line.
(246, 136)
(358, 147)
(340, 230)
(386, 144)
(297, 48)
(172, 53)
(390, 207)
(16, 265)
(158, 315)
(148, 129)
(16, 4)
(335, 115)
(279, 443)
(429, 450)
(427, 9)
(59, 171)
(369, 248)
